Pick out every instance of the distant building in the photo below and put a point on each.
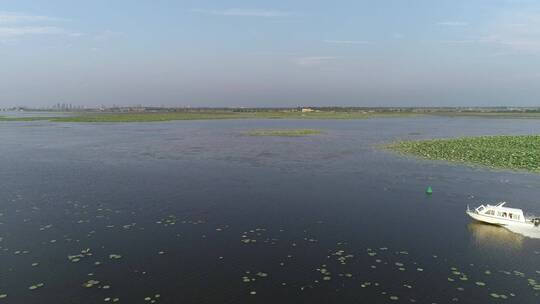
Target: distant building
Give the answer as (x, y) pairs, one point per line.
(307, 110)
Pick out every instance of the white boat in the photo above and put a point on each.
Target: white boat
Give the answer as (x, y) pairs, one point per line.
(503, 216)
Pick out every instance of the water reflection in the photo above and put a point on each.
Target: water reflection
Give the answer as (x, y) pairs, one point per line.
(491, 236)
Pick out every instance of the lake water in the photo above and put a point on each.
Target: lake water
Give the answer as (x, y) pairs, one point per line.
(199, 212)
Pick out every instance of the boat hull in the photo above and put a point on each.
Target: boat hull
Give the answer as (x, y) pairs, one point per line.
(497, 221)
(515, 221)
(491, 220)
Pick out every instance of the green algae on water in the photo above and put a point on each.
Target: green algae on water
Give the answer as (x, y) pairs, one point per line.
(503, 152)
(284, 132)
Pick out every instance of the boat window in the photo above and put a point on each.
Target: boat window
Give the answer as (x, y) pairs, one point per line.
(504, 214)
(480, 209)
(510, 215)
(490, 212)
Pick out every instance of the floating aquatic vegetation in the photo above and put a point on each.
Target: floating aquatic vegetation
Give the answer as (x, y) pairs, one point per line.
(498, 296)
(168, 221)
(323, 270)
(342, 257)
(77, 257)
(90, 283)
(114, 256)
(347, 265)
(518, 273)
(111, 299)
(284, 132)
(311, 240)
(152, 299)
(194, 222)
(36, 286)
(129, 226)
(510, 152)
(45, 227)
(534, 284)
(260, 274)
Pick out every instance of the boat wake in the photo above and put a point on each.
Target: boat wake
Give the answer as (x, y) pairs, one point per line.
(530, 232)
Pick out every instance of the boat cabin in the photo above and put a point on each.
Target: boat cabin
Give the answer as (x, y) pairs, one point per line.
(501, 212)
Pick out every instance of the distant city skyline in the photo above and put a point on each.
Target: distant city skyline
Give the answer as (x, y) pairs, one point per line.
(270, 53)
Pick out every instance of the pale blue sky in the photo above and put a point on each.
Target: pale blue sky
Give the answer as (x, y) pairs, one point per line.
(270, 53)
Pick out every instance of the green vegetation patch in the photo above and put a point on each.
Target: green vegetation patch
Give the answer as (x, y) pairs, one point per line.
(284, 132)
(104, 117)
(203, 115)
(3, 118)
(505, 152)
(145, 117)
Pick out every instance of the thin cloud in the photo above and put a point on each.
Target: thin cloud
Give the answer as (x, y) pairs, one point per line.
(310, 61)
(17, 18)
(453, 23)
(347, 41)
(462, 41)
(107, 35)
(240, 12)
(518, 32)
(14, 25)
(11, 32)
(525, 44)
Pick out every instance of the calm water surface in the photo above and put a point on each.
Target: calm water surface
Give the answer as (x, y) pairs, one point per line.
(199, 212)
